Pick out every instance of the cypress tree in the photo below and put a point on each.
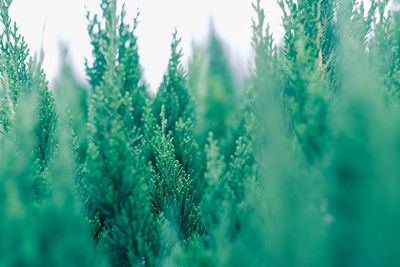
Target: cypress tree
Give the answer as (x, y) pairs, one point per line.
(278, 196)
(309, 51)
(215, 209)
(361, 168)
(216, 93)
(75, 98)
(22, 74)
(132, 87)
(384, 48)
(173, 150)
(217, 190)
(117, 177)
(311, 180)
(75, 95)
(173, 194)
(221, 96)
(49, 230)
(242, 168)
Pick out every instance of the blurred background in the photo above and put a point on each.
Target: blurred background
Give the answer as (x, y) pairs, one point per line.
(46, 23)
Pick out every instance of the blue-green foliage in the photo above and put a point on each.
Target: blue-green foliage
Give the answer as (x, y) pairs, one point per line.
(173, 194)
(174, 152)
(46, 231)
(308, 53)
(20, 75)
(121, 36)
(217, 94)
(361, 167)
(217, 192)
(301, 169)
(41, 221)
(216, 91)
(117, 178)
(75, 95)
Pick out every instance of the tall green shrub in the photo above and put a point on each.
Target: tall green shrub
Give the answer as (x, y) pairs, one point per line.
(21, 74)
(75, 95)
(309, 56)
(49, 232)
(362, 170)
(117, 33)
(174, 152)
(117, 177)
(41, 221)
(211, 79)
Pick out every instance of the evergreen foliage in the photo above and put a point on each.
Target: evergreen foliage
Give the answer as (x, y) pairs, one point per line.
(48, 231)
(217, 190)
(299, 169)
(173, 188)
(174, 152)
(21, 74)
(117, 178)
(75, 95)
(41, 222)
(308, 54)
(212, 82)
(108, 31)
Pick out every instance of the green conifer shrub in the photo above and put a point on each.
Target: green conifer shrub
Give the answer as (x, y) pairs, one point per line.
(39, 229)
(116, 30)
(173, 192)
(113, 176)
(384, 48)
(22, 74)
(361, 168)
(308, 51)
(216, 91)
(51, 231)
(117, 179)
(173, 151)
(217, 192)
(75, 95)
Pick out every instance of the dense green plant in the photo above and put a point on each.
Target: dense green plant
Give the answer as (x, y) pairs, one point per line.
(308, 54)
(111, 175)
(121, 36)
(75, 96)
(41, 221)
(365, 129)
(21, 74)
(384, 47)
(117, 178)
(216, 92)
(50, 231)
(174, 153)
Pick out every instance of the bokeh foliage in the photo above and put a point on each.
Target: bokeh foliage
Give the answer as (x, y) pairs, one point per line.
(295, 166)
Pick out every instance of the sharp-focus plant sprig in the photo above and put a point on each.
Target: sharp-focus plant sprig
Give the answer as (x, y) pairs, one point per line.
(171, 118)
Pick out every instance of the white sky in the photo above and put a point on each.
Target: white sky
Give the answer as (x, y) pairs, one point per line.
(49, 21)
